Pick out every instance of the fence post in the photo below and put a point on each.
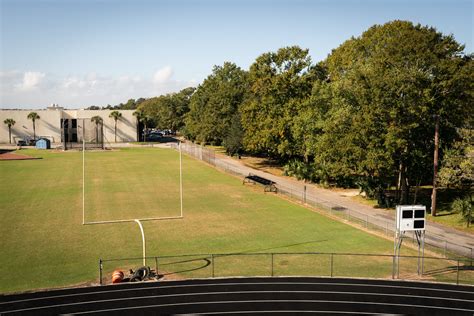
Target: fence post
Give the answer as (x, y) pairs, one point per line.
(393, 267)
(212, 264)
(305, 194)
(100, 271)
(457, 277)
(332, 264)
(272, 263)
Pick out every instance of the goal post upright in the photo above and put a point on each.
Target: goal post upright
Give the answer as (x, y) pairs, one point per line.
(180, 179)
(83, 182)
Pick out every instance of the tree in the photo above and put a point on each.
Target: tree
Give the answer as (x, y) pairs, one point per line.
(116, 115)
(233, 139)
(388, 84)
(33, 116)
(457, 172)
(9, 122)
(144, 119)
(215, 103)
(168, 111)
(279, 82)
(98, 121)
(464, 207)
(138, 114)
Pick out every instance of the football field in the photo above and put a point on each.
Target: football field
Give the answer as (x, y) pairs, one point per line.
(44, 243)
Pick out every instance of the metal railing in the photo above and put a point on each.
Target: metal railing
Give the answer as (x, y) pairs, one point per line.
(439, 245)
(351, 265)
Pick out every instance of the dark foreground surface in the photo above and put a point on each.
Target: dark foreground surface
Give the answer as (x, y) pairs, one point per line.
(282, 295)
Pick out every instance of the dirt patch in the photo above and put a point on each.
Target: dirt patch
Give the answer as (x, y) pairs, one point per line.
(8, 155)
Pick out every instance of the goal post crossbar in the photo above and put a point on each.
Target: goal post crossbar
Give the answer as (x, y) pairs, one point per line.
(181, 216)
(133, 220)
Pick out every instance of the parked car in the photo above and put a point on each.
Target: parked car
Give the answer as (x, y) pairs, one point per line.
(154, 137)
(21, 143)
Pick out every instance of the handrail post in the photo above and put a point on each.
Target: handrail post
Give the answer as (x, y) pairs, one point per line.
(212, 264)
(457, 276)
(156, 266)
(272, 263)
(100, 271)
(393, 267)
(332, 264)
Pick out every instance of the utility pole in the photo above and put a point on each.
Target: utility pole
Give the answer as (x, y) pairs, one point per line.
(435, 166)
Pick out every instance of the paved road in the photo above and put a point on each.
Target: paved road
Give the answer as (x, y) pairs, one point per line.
(436, 234)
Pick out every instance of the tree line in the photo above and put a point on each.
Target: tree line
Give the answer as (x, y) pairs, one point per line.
(365, 116)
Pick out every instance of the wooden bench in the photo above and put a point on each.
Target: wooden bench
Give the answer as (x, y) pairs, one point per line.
(270, 186)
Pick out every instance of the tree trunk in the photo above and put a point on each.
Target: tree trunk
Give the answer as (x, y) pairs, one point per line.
(435, 166)
(115, 132)
(403, 185)
(399, 183)
(418, 182)
(10, 134)
(34, 130)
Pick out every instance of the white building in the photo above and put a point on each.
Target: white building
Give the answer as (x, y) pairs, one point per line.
(56, 121)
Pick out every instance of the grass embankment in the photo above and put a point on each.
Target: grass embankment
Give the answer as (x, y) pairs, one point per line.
(44, 243)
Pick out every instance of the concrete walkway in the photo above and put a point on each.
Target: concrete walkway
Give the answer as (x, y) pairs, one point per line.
(449, 239)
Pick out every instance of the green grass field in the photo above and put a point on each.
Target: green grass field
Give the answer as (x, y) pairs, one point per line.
(44, 243)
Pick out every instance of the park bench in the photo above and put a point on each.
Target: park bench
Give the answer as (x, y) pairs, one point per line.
(270, 186)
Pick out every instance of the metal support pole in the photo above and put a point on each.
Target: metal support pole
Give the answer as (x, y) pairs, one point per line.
(212, 264)
(332, 264)
(272, 264)
(143, 241)
(457, 277)
(393, 267)
(100, 271)
(305, 194)
(423, 254)
(156, 266)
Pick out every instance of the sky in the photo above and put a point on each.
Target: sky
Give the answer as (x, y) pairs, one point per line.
(78, 53)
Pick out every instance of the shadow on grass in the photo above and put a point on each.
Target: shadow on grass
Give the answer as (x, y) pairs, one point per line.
(205, 264)
(449, 269)
(277, 247)
(206, 261)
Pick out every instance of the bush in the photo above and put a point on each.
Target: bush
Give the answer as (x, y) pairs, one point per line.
(464, 207)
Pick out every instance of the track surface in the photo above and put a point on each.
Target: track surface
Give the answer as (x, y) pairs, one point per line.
(281, 295)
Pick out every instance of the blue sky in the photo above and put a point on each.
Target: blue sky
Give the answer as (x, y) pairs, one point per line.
(80, 53)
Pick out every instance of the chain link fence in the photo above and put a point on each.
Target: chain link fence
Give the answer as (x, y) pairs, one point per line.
(439, 245)
(352, 265)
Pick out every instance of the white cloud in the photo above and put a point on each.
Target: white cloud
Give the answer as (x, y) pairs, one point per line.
(36, 90)
(163, 75)
(31, 80)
